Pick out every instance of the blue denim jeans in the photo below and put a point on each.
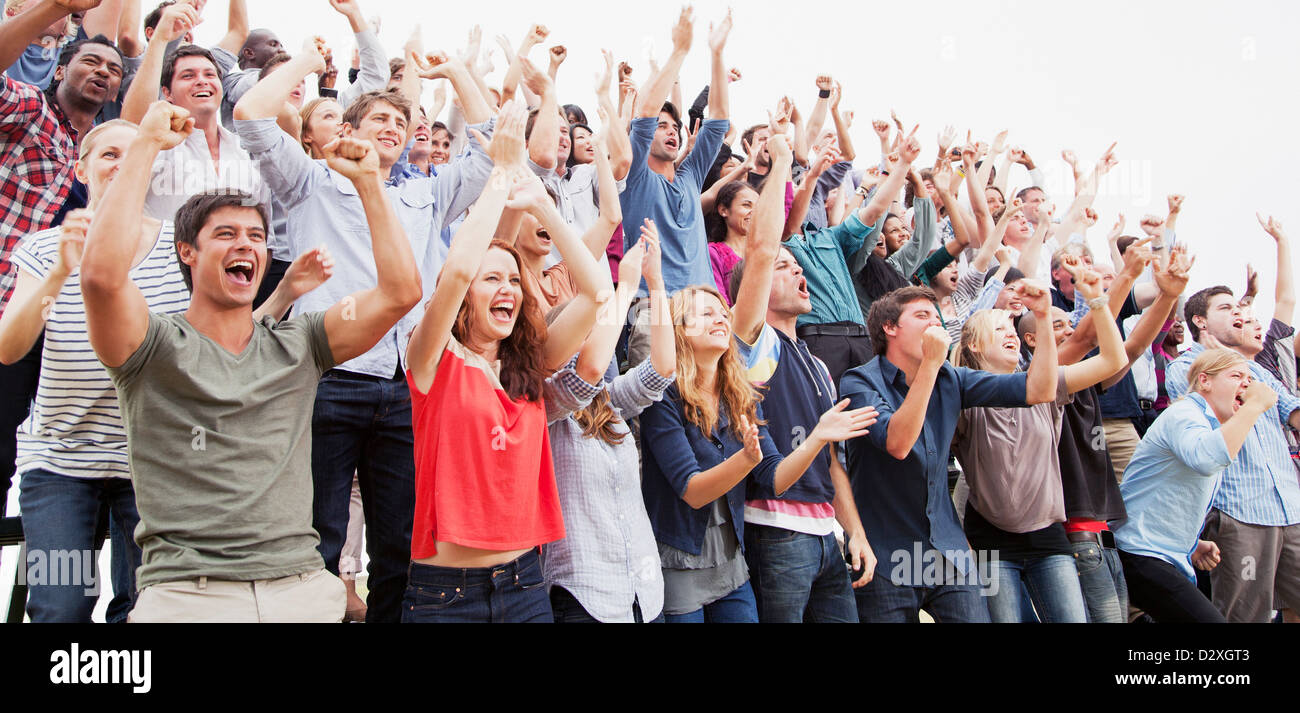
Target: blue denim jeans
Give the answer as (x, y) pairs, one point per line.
(798, 577)
(1053, 584)
(881, 601)
(61, 517)
(1101, 577)
(513, 592)
(738, 607)
(362, 425)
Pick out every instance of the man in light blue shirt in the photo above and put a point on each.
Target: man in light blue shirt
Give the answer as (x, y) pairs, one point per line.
(1255, 516)
(362, 419)
(666, 193)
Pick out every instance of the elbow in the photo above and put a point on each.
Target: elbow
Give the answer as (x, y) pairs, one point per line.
(694, 500)
(243, 111)
(96, 281)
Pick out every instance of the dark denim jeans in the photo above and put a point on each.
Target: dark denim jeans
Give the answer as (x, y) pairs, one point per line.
(568, 610)
(1053, 584)
(1101, 577)
(738, 607)
(61, 517)
(881, 601)
(798, 577)
(513, 592)
(362, 425)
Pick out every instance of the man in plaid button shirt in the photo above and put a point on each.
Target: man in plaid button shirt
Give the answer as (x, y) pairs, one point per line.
(38, 145)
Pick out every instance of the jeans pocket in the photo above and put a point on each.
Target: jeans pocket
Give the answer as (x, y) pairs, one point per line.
(529, 577)
(1088, 558)
(775, 535)
(433, 598)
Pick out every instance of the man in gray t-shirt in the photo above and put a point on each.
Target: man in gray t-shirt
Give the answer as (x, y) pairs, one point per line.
(217, 406)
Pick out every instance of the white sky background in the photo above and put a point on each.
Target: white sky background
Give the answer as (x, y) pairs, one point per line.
(1200, 96)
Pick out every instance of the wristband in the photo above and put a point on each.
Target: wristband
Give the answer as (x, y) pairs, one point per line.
(327, 92)
(824, 94)
(1098, 302)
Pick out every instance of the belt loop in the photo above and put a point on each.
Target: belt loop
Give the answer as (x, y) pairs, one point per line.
(203, 583)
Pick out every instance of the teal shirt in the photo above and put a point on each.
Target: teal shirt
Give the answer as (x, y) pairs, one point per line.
(824, 256)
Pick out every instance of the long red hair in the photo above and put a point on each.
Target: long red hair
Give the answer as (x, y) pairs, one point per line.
(522, 371)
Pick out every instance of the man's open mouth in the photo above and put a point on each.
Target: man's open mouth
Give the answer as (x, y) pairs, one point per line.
(241, 272)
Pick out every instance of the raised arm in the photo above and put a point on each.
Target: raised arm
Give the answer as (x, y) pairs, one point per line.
(986, 168)
(616, 138)
(1029, 256)
(841, 125)
(429, 340)
(885, 194)
(359, 320)
(1110, 358)
(1171, 279)
(117, 315)
(803, 194)
(237, 26)
(1040, 383)
(990, 246)
(176, 20)
(25, 28)
(453, 69)
(656, 89)
(906, 423)
(545, 137)
(611, 211)
(24, 316)
(979, 202)
(128, 29)
(266, 98)
(762, 246)
(1284, 293)
(719, 85)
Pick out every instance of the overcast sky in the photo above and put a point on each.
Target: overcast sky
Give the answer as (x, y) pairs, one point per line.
(1200, 96)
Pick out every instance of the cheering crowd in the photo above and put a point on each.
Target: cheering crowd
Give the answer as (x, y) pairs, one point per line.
(653, 366)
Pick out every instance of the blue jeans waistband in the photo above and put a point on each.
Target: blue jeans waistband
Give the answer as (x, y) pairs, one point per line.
(429, 575)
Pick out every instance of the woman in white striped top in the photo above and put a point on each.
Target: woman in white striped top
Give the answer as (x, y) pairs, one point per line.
(72, 454)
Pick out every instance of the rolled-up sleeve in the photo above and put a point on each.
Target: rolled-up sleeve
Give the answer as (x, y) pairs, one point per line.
(565, 392)
(633, 392)
(289, 172)
(1199, 447)
(459, 184)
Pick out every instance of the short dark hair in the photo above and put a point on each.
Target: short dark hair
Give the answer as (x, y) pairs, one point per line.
(1013, 275)
(71, 50)
(1198, 305)
(358, 109)
(889, 308)
(193, 215)
(748, 136)
(276, 60)
(395, 65)
(1124, 243)
(576, 111)
(671, 110)
(169, 64)
(155, 15)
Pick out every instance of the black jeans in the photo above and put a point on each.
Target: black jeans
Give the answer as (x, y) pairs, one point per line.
(568, 610)
(17, 389)
(1162, 591)
(841, 352)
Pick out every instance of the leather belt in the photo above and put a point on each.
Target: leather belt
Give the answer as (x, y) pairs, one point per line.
(838, 329)
(1105, 538)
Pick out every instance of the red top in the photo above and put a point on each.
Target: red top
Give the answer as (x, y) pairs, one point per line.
(483, 471)
(1079, 524)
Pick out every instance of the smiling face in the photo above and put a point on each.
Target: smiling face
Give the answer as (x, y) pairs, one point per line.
(228, 258)
(1009, 300)
(740, 213)
(494, 298)
(707, 328)
(421, 143)
(1000, 349)
(102, 157)
(667, 139)
(584, 151)
(440, 146)
(195, 86)
(383, 125)
(323, 126)
(895, 233)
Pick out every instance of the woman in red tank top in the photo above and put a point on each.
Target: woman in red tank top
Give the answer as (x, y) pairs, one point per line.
(485, 488)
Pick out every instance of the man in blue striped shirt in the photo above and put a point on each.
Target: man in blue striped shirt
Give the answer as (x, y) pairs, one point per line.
(1255, 515)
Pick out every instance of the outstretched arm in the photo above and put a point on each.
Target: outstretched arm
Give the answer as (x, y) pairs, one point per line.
(237, 26)
(762, 246)
(267, 97)
(176, 20)
(719, 90)
(25, 28)
(656, 89)
(117, 315)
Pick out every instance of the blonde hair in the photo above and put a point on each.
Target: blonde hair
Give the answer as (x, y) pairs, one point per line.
(731, 386)
(977, 336)
(305, 114)
(88, 141)
(1212, 362)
